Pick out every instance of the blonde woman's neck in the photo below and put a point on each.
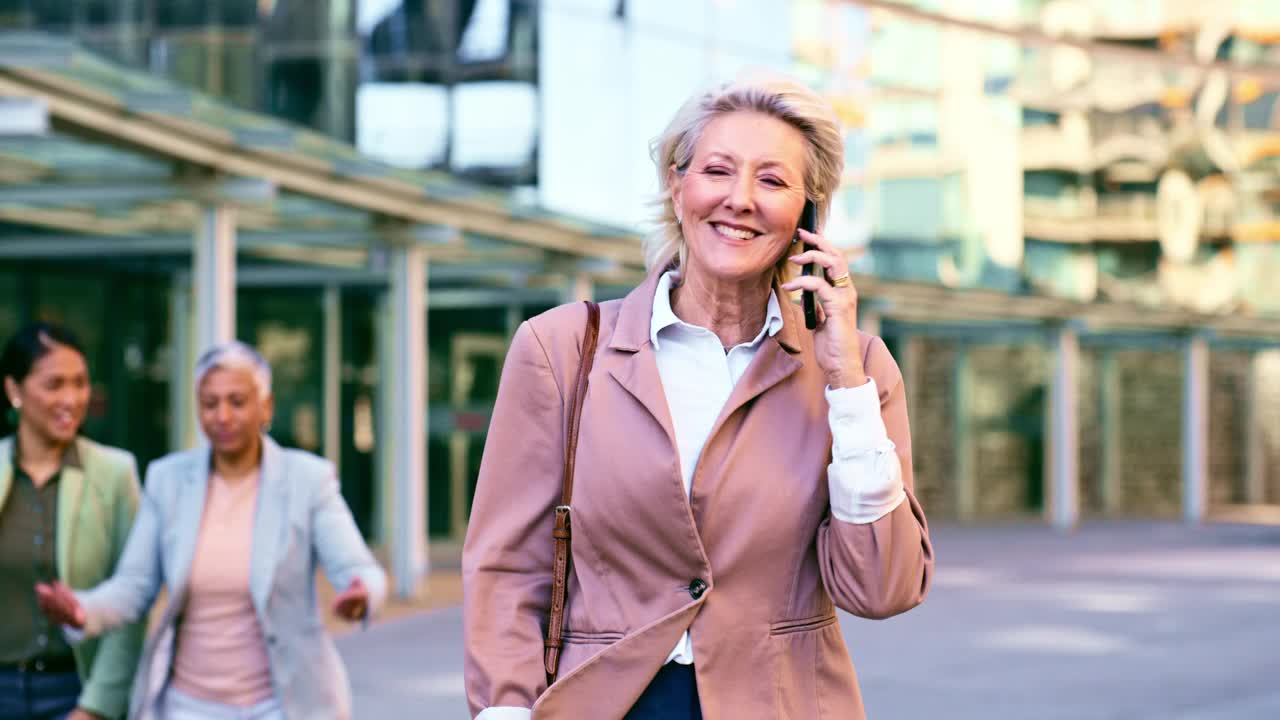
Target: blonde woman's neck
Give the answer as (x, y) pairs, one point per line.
(734, 311)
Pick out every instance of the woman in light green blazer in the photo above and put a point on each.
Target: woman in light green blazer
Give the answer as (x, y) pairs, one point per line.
(66, 507)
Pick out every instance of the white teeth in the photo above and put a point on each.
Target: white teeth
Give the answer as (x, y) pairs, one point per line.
(734, 232)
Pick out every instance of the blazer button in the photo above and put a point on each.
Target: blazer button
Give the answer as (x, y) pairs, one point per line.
(696, 588)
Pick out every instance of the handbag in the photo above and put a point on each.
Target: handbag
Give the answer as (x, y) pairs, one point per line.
(561, 531)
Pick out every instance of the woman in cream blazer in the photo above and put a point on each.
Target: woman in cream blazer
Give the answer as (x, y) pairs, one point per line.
(233, 534)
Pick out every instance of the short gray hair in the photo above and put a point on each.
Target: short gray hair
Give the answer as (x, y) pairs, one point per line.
(770, 94)
(236, 355)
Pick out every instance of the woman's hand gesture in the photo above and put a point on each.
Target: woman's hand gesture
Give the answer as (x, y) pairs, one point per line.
(59, 604)
(353, 603)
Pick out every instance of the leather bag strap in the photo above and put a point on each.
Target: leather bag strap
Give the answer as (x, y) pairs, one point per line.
(561, 531)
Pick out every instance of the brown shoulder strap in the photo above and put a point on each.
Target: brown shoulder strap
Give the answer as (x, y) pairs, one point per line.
(561, 531)
(589, 340)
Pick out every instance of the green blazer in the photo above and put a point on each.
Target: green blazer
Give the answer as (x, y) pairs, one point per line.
(96, 506)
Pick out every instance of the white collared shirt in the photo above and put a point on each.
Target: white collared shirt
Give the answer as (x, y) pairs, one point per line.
(698, 376)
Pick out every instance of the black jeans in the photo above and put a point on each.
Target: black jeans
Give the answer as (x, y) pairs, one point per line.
(672, 695)
(37, 696)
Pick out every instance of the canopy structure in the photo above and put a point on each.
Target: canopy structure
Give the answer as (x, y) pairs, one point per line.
(103, 165)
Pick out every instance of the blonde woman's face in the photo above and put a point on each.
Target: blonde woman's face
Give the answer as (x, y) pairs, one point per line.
(741, 197)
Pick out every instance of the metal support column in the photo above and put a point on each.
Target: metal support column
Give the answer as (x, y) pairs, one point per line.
(338, 67)
(962, 428)
(213, 275)
(909, 364)
(332, 376)
(581, 287)
(514, 316)
(1062, 461)
(1255, 458)
(384, 426)
(1109, 411)
(182, 421)
(408, 413)
(1195, 428)
(869, 318)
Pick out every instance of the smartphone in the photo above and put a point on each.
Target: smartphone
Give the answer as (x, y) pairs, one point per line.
(809, 221)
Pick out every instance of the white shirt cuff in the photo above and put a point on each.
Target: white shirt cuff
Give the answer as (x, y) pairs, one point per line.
(865, 475)
(505, 713)
(855, 419)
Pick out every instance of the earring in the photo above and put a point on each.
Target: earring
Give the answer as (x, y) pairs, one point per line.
(17, 404)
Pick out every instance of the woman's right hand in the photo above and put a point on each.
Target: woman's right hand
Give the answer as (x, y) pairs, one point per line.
(59, 604)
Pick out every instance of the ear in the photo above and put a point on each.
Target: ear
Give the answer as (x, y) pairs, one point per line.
(269, 409)
(674, 182)
(12, 390)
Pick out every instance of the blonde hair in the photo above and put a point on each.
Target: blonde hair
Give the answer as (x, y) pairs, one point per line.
(774, 95)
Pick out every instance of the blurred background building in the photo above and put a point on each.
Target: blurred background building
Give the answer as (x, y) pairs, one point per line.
(1064, 214)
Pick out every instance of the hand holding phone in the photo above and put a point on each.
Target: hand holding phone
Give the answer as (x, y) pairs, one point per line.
(809, 222)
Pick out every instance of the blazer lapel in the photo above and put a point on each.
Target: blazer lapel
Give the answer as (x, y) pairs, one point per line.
(184, 532)
(6, 469)
(636, 368)
(638, 375)
(269, 521)
(770, 366)
(70, 490)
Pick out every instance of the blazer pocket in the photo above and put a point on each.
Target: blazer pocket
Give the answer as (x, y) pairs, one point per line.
(580, 646)
(809, 624)
(797, 647)
(587, 637)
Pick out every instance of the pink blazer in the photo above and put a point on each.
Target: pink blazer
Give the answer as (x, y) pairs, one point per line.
(756, 536)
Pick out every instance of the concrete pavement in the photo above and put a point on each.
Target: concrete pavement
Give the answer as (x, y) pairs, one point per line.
(1126, 621)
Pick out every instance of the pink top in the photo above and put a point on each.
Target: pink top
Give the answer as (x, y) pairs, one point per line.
(221, 656)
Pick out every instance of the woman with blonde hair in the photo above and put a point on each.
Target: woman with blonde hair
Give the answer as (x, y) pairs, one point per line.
(666, 520)
(233, 532)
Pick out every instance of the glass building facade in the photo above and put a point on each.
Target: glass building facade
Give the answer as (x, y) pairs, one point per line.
(441, 84)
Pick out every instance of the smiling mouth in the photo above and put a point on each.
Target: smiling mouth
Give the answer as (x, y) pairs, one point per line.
(734, 233)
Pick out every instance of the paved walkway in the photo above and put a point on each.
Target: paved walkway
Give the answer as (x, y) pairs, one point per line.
(1131, 621)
